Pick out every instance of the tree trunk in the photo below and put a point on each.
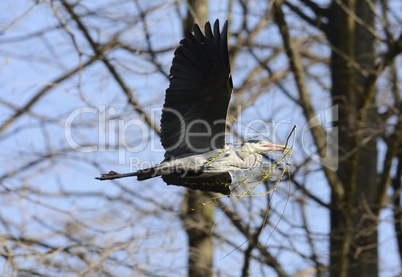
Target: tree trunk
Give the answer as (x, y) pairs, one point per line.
(198, 223)
(197, 219)
(353, 225)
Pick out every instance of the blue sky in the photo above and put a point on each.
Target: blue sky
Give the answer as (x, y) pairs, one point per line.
(61, 190)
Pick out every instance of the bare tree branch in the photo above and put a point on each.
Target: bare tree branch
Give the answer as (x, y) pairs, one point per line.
(318, 132)
(42, 92)
(100, 53)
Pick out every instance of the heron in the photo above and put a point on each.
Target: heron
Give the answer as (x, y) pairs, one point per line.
(193, 122)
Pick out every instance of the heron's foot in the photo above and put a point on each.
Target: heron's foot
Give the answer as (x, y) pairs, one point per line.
(108, 176)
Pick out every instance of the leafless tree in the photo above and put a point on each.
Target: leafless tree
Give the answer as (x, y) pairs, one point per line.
(83, 83)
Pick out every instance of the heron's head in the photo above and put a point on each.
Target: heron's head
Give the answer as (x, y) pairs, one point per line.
(261, 146)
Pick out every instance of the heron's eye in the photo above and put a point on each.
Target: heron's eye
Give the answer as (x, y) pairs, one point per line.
(260, 142)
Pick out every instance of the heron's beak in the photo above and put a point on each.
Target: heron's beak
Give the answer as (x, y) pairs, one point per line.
(275, 147)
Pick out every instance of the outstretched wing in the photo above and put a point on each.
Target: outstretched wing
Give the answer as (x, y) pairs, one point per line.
(196, 102)
(218, 183)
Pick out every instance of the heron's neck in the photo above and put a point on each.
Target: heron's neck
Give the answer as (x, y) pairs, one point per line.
(246, 149)
(248, 156)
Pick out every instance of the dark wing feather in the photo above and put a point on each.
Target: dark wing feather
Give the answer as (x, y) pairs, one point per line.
(199, 93)
(218, 183)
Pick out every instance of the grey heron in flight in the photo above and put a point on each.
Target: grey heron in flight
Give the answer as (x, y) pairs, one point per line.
(194, 119)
